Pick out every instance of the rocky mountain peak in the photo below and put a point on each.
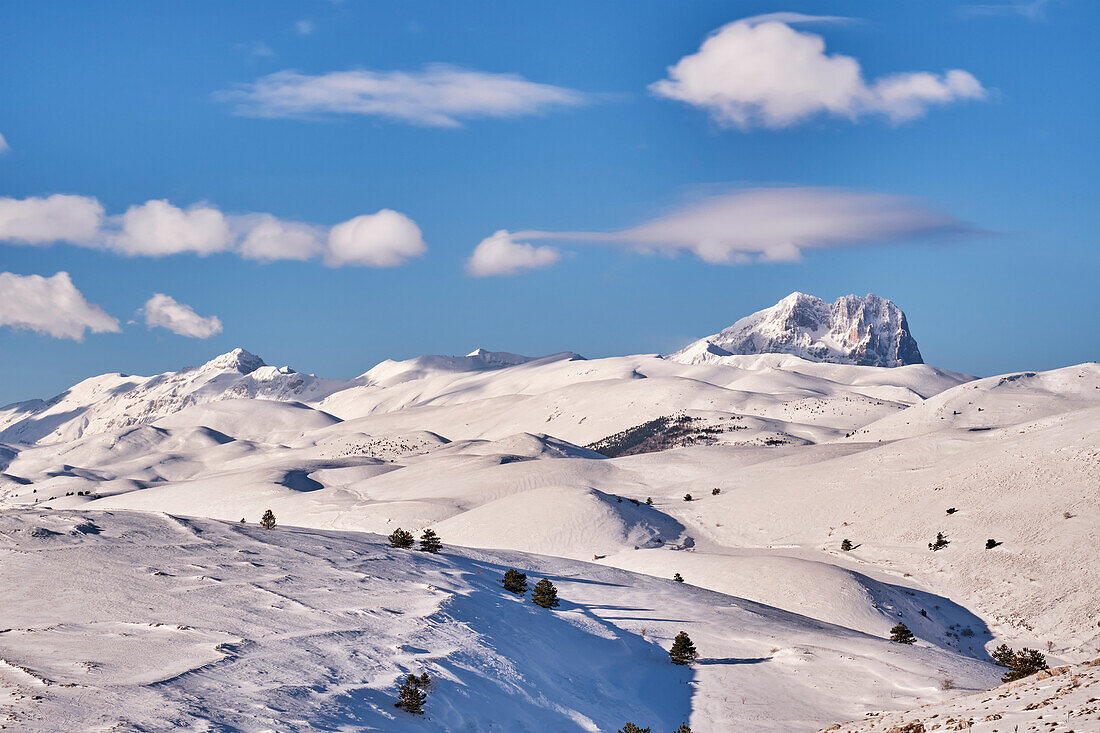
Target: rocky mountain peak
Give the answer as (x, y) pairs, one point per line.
(866, 331)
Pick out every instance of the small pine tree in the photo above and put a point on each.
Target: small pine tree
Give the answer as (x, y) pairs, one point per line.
(430, 542)
(425, 680)
(410, 697)
(683, 650)
(687, 497)
(846, 545)
(242, 520)
(990, 544)
(902, 635)
(939, 544)
(682, 729)
(649, 501)
(715, 492)
(515, 582)
(401, 539)
(952, 510)
(267, 521)
(545, 594)
(678, 578)
(1019, 664)
(631, 728)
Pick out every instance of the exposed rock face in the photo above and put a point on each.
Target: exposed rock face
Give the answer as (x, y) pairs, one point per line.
(868, 331)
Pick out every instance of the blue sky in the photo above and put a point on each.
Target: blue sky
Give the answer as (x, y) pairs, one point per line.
(533, 120)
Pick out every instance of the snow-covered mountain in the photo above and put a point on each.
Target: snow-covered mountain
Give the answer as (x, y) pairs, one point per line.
(868, 331)
(116, 401)
(585, 465)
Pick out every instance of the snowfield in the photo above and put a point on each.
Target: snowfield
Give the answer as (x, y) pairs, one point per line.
(134, 594)
(144, 621)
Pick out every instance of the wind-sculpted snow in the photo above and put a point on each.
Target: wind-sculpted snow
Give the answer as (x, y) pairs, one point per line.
(149, 622)
(786, 457)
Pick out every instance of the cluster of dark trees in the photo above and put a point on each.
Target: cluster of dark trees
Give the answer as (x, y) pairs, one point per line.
(429, 540)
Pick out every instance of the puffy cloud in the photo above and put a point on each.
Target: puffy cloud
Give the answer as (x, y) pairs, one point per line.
(269, 238)
(385, 239)
(158, 228)
(761, 72)
(165, 312)
(51, 306)
(775, 224)
(438, 95)
(4, 147)
(501, 255)
(53, 218)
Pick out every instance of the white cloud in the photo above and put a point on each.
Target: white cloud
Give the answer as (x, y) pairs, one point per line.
(437, 96)
(1030, 9)
(305, 27)
(158, 228)
(4, 147)
(792, 18)
(761, 72)
(165, 312)
(774, 224)
(385, 239)
(269, 238)
(501, 255)
(59, 217)
(51, 306)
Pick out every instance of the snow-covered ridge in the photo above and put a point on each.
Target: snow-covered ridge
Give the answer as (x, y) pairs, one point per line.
(867, 331)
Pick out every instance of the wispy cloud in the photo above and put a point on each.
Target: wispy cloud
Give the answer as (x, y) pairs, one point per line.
(500, 254)
(305, 27)
(1030, 9)
(761, 72)
(773, 224)
(158, 228)
(51, 306)
(4, 147)
(436, 96)
(163, 311)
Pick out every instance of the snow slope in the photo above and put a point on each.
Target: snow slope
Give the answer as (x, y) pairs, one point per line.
(489, 449)
(148, 621)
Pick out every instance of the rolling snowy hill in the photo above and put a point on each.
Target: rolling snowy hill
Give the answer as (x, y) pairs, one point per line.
(582, 466)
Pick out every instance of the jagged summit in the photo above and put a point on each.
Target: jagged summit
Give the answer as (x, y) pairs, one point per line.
(238, 360)
(867, 331)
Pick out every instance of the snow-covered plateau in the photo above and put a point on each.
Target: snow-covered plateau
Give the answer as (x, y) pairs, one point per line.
(141, 593)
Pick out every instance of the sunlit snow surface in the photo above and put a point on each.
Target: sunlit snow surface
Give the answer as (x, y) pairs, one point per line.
(154, 620)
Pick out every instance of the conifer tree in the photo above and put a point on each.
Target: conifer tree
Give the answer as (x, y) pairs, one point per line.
(631, 728)
(678, 578)
(902, 635)
(402, 539)
(682, 729)
(430, 542)
(846, 545)
(715, 492)
(990, 544)
(1019, 664)
(683, 650)
(267, 521)
(545, 594)
(649, 501)
(410, 697)
(939, 544)
(687, 497)
(515, 582)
